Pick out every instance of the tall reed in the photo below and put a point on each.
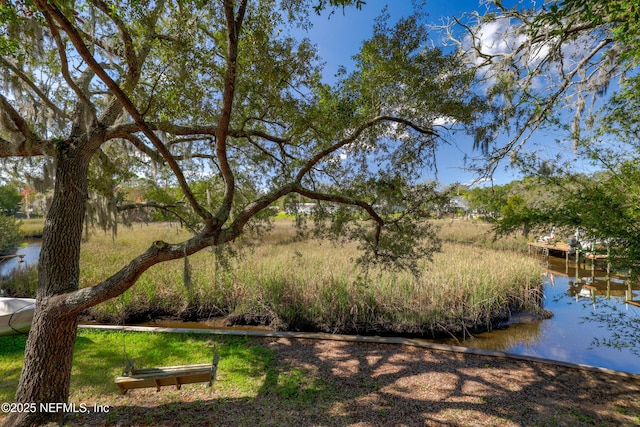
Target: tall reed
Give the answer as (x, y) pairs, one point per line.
(478, 233)
(295, 283)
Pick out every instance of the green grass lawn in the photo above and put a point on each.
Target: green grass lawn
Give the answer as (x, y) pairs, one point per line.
(282, 382)
(100, 356)
(247, 371)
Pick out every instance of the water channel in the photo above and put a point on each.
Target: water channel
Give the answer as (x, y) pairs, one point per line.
(591, 322)
(27, 255)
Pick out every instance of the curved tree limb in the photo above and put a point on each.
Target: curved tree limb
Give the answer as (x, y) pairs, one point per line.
(41, 95)
(51, 9)
(310, 164)
(71, 304)
(32, 144)
(120, 130)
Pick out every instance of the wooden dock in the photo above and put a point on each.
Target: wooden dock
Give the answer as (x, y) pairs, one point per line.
(563, 249)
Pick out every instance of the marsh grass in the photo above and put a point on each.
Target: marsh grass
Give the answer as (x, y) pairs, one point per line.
(22, 282)
(478, 233)
(295, 283)
(32, 226)
(304, 284)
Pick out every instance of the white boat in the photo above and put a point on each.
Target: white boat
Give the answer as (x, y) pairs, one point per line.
(16, 315)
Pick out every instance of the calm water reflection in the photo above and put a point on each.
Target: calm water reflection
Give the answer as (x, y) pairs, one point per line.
(591, 323)
(30, 253)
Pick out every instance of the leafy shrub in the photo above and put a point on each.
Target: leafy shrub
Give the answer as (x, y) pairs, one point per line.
(9, 234)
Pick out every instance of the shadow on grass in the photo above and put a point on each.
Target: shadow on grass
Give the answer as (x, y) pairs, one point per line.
(101, 356)
(306, 382)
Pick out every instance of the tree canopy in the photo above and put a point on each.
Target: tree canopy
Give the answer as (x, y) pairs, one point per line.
(10, 200)
(9, 234)
(551, 65)
(219, 101)
(571, 68)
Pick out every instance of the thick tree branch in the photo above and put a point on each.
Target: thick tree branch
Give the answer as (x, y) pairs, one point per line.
(234, 24)
(23, 149)
(313, 161)
(52, 10)
(32, 144)
(119, 131)
(71, 304)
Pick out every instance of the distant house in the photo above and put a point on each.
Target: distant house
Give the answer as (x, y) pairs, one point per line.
(457, 203)
(301, 208)
(307, 208)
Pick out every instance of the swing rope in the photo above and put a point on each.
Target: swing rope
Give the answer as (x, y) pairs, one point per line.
(127, 362)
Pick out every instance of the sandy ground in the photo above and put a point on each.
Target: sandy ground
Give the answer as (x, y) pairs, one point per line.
(364, 384)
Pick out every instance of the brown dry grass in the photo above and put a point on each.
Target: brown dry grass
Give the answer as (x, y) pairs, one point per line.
(306, 284)
(362, 384)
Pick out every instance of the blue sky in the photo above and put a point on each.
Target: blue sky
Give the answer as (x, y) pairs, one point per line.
(340, 36)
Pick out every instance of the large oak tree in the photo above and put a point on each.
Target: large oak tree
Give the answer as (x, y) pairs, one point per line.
(214, 91)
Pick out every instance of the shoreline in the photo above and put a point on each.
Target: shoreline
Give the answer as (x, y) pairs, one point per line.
(305, 381)
(404, 341)
(248, 321)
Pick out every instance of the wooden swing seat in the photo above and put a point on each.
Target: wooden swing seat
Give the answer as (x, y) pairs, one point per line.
(168, 375)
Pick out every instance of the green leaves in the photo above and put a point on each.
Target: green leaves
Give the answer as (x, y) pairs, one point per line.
(10, 235)
(364, 141)
(10, 200)
(323, 4)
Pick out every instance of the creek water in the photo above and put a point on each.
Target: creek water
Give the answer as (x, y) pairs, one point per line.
(27, 254)
(591, 322)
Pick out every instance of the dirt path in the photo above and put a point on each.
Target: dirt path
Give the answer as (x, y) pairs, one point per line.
(366, 384)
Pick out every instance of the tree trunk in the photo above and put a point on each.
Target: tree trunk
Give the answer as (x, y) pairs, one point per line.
(45, 379)
(46, 373)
